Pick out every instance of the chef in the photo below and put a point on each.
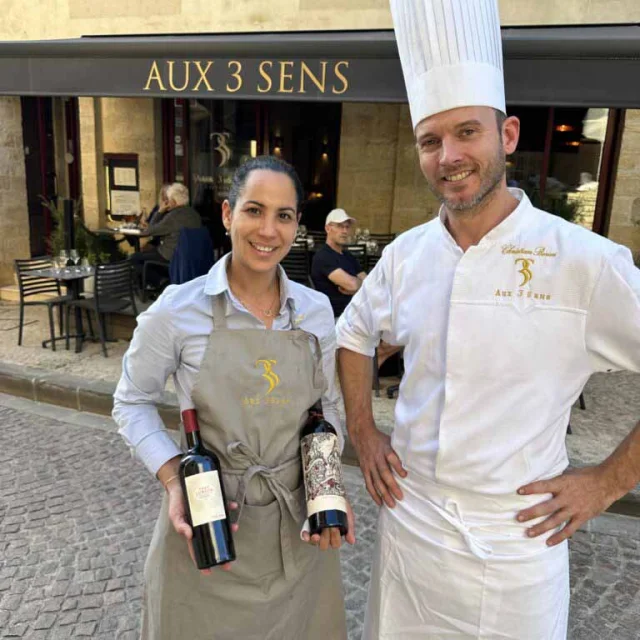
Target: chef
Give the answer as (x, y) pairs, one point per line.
(504, 311)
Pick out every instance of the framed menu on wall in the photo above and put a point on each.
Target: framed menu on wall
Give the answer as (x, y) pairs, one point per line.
(123, 184)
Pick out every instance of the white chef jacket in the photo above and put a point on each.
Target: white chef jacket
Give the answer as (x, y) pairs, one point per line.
(499, 341)
(171, 338)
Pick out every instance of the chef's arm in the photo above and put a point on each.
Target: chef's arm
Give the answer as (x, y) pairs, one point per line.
(621, 470)
(581, 494)
(356, 378)
(378, 460)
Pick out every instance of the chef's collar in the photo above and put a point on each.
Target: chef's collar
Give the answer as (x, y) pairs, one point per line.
(217, 283)
(506, 228)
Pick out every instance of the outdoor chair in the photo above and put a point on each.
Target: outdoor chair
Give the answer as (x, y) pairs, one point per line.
(371, 261)
(193, 257)
(296, 266)
(112, 292)
(383, 239)
(319, 237)
(359, 252)
(157, 266)
(30, 285)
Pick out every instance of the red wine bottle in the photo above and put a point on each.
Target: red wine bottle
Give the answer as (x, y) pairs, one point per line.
(322, 470)
(207, 511)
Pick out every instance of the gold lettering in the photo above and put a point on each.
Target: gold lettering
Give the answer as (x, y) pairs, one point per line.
(235, 74)
(345, 82)
(203, 75)
(497, 293)
(304, 70)
(285, 76)
(154, 74)
(263, 73)
(186, 75)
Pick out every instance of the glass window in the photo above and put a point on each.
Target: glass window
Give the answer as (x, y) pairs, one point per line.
(559, 158)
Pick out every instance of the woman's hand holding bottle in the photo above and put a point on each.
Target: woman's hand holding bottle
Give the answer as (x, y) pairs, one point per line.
(178, 518)
(331, 538)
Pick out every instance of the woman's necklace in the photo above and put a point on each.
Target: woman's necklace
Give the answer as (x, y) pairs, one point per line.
(269, 311)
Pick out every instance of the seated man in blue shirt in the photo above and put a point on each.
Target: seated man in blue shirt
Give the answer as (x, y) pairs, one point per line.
(334, 271)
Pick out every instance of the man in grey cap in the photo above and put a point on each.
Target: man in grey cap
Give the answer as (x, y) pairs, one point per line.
(504, 311)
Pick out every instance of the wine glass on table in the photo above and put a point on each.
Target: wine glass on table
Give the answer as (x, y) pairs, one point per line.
(63, 258)
(74, 256)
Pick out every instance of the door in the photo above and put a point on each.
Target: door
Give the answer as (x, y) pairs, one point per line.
(39, 158)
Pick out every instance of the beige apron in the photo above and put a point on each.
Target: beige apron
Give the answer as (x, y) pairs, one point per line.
(252, 395)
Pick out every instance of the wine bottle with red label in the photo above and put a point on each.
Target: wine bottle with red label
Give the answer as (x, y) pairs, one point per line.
(322, 470)
(207, 511)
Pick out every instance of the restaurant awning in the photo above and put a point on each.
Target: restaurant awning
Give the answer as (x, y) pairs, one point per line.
(562, 66)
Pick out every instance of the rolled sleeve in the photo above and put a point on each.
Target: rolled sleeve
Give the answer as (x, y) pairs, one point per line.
(151, 358)
(613, 321)
(369, 314)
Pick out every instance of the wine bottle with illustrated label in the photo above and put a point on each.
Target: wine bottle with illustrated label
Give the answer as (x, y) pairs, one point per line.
(322, 470)
(207, 511)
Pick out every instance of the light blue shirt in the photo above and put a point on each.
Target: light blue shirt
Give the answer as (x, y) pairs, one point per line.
(171, 338)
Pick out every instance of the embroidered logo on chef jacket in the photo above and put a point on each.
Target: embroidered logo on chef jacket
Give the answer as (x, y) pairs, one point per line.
(269, 374)
(525, 271)
(527, 268)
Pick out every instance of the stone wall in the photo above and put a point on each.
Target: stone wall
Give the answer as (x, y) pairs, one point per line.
(379, 181)
(129, 126)
(625, 213)
(27, 20)
(14, 219)
(93, 182)
(118, 125)
(368, 145)
(413, 203)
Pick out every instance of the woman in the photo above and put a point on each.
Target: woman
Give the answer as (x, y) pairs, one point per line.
(215, 334)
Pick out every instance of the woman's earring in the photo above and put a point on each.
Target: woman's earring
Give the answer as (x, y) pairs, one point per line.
(226, 233)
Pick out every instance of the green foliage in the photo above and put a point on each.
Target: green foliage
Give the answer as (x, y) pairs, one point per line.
(558, 204)
(98, 249)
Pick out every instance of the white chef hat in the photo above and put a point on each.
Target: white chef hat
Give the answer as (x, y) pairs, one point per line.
(451, 54)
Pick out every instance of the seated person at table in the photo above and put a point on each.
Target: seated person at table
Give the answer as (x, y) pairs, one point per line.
(177, 214)
(334, 271)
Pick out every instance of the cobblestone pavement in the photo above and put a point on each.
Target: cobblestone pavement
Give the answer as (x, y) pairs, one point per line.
(76, 515)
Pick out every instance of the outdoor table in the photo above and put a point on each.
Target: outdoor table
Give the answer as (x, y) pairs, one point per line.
(131, 233)
(72, 278)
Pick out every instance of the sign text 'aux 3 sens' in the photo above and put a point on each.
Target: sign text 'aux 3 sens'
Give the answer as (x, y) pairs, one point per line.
(249, 76)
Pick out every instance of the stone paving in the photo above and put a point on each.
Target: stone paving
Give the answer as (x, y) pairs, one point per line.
(76, 515)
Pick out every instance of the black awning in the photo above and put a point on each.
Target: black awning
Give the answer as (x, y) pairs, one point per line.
(562, 66)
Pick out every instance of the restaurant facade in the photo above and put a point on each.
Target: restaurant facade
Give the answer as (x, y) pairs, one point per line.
(104, 102)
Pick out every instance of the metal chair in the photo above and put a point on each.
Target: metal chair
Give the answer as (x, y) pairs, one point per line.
(30, 285)
(319, 237)
(113, 291)
(359, 252)
(154, 265)
(296, 266)
(383, 239)
(371, 261)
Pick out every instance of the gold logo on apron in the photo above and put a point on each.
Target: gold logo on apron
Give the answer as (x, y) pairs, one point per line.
(525, 271)
(269, 375)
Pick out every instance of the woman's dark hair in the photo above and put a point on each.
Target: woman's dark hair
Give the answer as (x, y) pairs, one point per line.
(264, 163)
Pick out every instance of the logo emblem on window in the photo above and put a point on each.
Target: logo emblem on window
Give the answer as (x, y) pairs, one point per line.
(269, 375)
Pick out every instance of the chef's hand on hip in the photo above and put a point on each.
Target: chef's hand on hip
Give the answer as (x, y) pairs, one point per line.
(331, 538)
(178, 517)
(378, 462)
(577, 495)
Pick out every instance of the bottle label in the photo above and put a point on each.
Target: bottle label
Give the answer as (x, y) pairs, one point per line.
(205, 498)
(322, 471)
